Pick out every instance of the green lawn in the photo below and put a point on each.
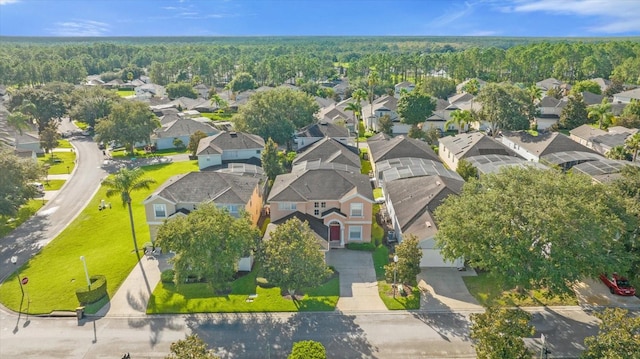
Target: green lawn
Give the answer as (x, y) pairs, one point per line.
(53, 185)
(81, 125)
(199, 298)
(377, 192)
(59, 162)
(385, 290)
(365, 167)
(217, 116)
(488, 291)
(103, 237)
(64, 144)
(126, 93)
(8, 224)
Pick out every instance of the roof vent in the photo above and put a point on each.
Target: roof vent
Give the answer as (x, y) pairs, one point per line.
(438, 183)
(428, 224)
(233, 134)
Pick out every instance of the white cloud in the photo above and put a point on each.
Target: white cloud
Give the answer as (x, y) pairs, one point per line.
(613, 17)
(454, 15)
(7, 2)
(80, 28)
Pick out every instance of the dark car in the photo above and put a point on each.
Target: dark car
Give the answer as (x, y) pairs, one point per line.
(617, 284)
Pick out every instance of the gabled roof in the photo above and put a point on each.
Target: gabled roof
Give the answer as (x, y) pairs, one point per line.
(384, 102)
(187, 103)
(169, 118)
(549, 83)
(183, 127)
(332, 113)
(441, 104)
(324, 102)
(199, 187)
(407, 167)
(473, 144)
(322, 183)
(330, 150)
(320, 230)
(586, 132)
(591, 98)
(544, 143)
(494, 163)
(548, 101)
(415, 199)
(226, 141)
(323, 129)
(635, 93)
(461, 97)
(381, 149)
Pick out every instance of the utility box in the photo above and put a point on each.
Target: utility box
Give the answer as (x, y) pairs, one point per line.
(80, 312)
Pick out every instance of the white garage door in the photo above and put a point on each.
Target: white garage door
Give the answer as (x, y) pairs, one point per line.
(432, 258)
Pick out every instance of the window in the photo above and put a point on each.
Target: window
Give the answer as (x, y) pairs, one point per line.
(233, 208)
(319, 204)
(316, 212)
(356, 210)
(287, 206)
(355, 233)
(257, 152)
(160, 210)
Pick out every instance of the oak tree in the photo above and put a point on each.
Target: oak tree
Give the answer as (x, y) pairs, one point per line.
(498, 333)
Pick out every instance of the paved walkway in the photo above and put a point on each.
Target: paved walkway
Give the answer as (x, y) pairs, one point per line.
(593, 293)
(444, 290)
(358, 284)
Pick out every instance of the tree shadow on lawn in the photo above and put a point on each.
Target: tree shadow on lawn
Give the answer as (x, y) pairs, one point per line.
(442, 319)
(272, 335)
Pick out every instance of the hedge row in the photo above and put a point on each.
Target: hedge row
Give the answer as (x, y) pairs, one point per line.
(97, 291)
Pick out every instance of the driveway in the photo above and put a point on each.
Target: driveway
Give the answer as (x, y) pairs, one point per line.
(358, 284)
(593, 293)
(444, 290)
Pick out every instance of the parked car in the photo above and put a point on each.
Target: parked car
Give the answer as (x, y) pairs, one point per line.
(617, 284)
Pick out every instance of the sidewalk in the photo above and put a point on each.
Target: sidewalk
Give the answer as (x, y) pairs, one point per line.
(132, 297)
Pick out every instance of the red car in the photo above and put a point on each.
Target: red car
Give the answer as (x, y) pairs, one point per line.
(617, 284)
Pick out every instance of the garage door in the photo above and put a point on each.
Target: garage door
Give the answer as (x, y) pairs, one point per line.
(432, 258)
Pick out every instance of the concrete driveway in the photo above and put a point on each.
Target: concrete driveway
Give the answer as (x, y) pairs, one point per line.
(593, 293)
(358, 284)
(444, 290)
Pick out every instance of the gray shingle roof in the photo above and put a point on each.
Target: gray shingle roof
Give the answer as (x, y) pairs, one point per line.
(461, 97)
(494, 163)
(323, 129)
(198, 187)
(635, 93)
(381, 148)
(408, 167)
(322, 183)
(183, 127)
(320, 230)
(586, 132)
(226, 141)
(330, 150)
(545, 143)
(415, 199)
(473, 144)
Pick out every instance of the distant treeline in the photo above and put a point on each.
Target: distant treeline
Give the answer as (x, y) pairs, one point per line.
(275, 60)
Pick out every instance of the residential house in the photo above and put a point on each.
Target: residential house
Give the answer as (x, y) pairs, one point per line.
(409, 167)
(195, 104)
(486, 164)
(384, 105)
(28, 141)
(382, 147)
(404, 85)
(202, 90)
(317, 226)
(591, 98)
(440, 116)
(601, 141)
(410, 205)
(113, 84)
(603, 83)
(180, 129)
(460, 87)
(549, 109)
(324, 102)
(602, 170)
(551, 147)
(150, 90)
(181, 194)
(627, 96)
(329, 150)
(454, 148)
(461, 97)
(337, 195)
(227, 147)
(337, 116)
(316, 131)
(548, 84)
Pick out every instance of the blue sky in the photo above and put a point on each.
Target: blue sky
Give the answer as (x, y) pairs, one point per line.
(319, 17)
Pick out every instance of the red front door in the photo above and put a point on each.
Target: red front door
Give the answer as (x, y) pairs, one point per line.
(334, 232)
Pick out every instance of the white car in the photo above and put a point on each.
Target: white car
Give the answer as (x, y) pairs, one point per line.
(379, 200)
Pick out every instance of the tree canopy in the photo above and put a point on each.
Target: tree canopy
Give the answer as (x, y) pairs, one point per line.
(208, 243)
(15, 176)
(90, 104)
(574, 113)
(498, 333)
(41, 104)
(438, 87)
(308, 349)
(270, 161)
(129, 122)
(504, 107)
(191, 347)
(525, 226)
(408, 266)
(586, 85)
(414, 107)
(618, 336)
(276, 114)
(243, 81)
(292, 259)
(181, 89)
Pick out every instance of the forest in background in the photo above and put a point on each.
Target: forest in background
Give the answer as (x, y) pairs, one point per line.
(276, 60)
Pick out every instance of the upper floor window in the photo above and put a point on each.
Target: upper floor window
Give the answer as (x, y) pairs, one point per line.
(160, 210)
(319, 204)
(357, 210)
(287, 206)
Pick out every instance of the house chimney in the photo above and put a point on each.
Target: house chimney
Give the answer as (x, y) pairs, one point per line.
(233, 134)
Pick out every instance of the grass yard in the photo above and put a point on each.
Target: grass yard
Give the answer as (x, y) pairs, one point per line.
(53, 185)
(217, 116)
(8, 224)
(488, 292)
(385, 290)
(199, 298)
(81, 125)
(103, 237)
(365, 167)
(59, 162)
(64, 144)
(126, 93)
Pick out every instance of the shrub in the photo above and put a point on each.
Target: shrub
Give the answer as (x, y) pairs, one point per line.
(178, 144)
(263, 282)
(97, 291)
(308, 349)
(168, 276)
(361, 246)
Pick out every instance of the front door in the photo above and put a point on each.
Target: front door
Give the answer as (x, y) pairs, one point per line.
(334, 232)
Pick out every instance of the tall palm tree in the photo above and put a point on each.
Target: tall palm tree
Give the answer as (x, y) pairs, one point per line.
(534, 93)
(359, 95)
(617, 153)
(218, 101)
(123, 183)
(354, 107)
(372, 80)
(460, 118)
(601, 112)
(632, 144)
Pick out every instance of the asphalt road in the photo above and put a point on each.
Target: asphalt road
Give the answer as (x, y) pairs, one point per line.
(31, 236)
(357, 335)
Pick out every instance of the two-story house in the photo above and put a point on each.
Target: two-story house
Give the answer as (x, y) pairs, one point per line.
(225, 147)
(181, 129)
(338, 198)
(384, 105)
(319, 130)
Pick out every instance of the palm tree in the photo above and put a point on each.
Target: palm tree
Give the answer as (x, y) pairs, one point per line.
(359, 95)
(460, 118)
(534, 93)
(19, 121)
(218, 101)
(601, 112)
(372, 80)
(123, 183)
(617, 153)
(633, 145)
(354, 107)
